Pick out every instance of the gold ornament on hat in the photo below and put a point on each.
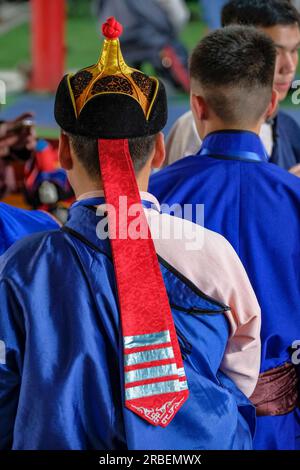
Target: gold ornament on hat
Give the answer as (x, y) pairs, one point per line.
(112, 75)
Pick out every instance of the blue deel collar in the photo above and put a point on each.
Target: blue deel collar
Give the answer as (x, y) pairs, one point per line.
(234, 145)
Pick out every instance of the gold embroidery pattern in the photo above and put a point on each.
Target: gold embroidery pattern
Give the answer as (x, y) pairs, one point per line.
(80, 82)
(145, 84)
(112, 84)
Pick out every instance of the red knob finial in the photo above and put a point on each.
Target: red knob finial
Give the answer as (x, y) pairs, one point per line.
(111, 29)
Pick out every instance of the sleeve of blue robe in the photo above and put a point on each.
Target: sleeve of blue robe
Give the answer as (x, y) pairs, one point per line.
(286, 151)
(11, 325)
(17, 223)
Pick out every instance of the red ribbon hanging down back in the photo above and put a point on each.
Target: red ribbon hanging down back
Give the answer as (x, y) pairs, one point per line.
(143, 300)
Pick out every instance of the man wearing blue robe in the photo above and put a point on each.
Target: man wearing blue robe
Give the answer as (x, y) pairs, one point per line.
(62, 382)
(254, 204)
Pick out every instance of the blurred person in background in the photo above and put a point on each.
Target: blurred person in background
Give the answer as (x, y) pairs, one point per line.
(17, 142)
(212, 12)
(151, 34)
(280, 134)
(45, 184)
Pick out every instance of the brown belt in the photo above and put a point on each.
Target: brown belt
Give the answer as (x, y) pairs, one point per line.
(276, 392)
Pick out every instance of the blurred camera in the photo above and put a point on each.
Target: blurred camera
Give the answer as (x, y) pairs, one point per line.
(20, 126)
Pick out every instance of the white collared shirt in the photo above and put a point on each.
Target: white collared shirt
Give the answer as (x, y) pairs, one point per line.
(183, 139)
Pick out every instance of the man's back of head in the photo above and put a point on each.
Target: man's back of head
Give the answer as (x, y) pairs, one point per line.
(232, 71)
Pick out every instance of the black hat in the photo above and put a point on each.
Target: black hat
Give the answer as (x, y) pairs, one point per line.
(110, 100)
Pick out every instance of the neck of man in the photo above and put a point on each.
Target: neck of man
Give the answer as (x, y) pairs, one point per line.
(222, 126)
(87, 185)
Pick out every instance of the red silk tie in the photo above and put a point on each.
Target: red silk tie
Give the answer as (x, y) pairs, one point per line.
(155, 382)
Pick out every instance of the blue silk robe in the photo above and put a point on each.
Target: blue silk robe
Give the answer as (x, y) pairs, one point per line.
(256, 206)
(17, 223)
(286, 150)
(62, 384)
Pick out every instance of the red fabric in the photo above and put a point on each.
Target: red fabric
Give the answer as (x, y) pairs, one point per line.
(143, 300)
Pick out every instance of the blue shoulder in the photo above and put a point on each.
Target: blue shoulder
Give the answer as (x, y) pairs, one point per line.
(280, 175)
(17, 223)
(288, 122)
(182, 168)
(22, 215)
(23, 250)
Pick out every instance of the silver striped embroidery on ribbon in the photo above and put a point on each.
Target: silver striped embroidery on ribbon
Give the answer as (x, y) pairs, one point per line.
(151, 372)
(155, 389)
(138, 341)
(133, 359)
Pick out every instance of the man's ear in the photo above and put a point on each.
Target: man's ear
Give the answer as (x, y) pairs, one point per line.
(272, 108)
(199, 107)
(64, 152)
(159, 151)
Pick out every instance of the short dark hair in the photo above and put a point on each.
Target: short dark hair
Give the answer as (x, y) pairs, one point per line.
(263, 13)
(235, 67)
(86, 150)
